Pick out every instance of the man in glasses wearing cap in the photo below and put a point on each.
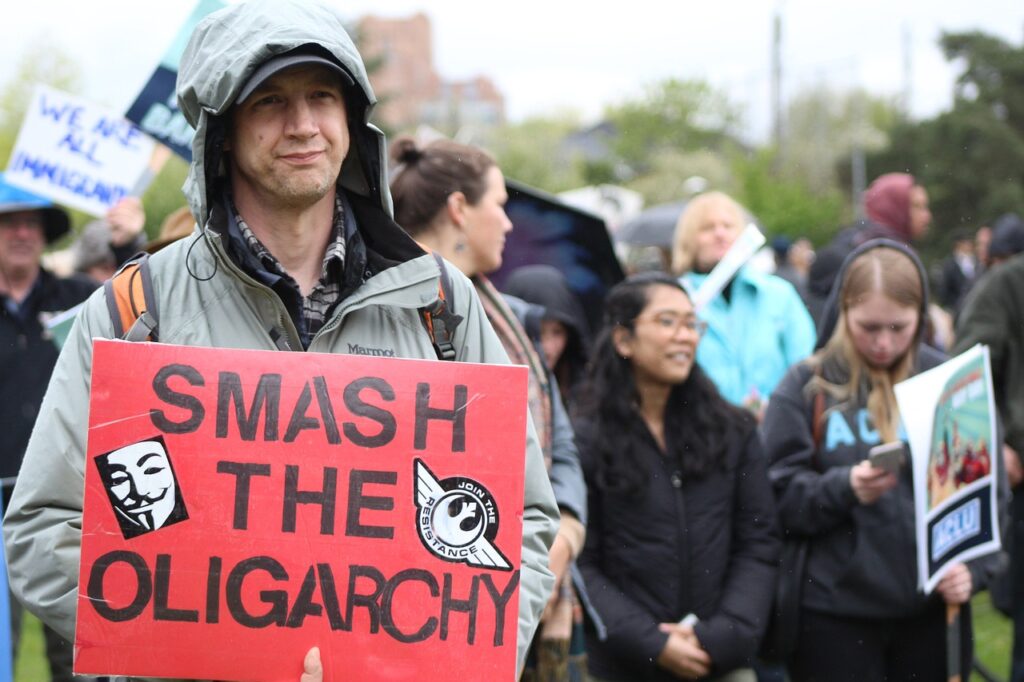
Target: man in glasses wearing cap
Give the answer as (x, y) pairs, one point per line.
(296, 250)
(29, 296)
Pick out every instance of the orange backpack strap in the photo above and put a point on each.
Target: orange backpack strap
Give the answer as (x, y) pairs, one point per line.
(130, 301)
(439, 319)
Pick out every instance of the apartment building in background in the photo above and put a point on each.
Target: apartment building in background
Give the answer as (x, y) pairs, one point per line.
(400, 59)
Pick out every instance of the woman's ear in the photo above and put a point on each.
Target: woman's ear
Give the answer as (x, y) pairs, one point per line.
(622, 341)
(455, 207)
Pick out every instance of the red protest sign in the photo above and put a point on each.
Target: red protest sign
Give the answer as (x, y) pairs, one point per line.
(244, 506)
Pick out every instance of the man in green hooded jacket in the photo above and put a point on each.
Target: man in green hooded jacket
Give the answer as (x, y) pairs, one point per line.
(295, 250)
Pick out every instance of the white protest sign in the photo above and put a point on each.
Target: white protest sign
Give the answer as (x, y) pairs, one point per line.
(742, 250)
(949, 416)
(77, 153)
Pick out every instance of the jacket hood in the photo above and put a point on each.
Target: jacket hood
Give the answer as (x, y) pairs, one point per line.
(228, 46)
(546, 287)
(1007, 236)
(887, 202)
(830, 313)
(822, 274)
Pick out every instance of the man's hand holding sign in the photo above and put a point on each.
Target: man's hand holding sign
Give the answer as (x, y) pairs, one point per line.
(369, 507)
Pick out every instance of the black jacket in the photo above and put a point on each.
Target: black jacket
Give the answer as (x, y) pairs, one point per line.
(707, 547)
(862, 560)
(995, 316)
(27, 356)
(952, 284)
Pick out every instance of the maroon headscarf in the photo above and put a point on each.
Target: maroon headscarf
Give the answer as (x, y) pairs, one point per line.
(887, 202)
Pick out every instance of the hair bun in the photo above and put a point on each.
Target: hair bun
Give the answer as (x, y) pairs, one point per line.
(404, 150)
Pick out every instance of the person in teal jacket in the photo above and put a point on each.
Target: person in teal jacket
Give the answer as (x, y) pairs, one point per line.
(758, 326)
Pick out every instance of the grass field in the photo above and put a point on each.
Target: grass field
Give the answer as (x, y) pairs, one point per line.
(30, 665)
(992, 638)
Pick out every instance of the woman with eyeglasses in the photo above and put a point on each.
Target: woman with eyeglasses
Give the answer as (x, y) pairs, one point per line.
(862, 616)
(679, 560)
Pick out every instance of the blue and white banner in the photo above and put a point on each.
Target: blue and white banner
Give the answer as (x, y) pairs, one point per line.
(155, 110)
(78, 153)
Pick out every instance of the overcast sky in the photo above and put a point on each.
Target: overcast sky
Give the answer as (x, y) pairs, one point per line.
(547, 55)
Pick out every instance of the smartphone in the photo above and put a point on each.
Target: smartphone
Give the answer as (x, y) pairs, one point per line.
(690, 619)
(888, 456)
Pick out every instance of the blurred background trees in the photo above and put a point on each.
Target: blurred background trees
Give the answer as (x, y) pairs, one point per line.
(970, 158)
(46, 64)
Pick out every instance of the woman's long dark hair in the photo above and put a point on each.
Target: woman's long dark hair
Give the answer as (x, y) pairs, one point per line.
(700, 426)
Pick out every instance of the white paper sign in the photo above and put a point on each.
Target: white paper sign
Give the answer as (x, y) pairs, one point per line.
(950, 418)
(742, 250)
(77, 153)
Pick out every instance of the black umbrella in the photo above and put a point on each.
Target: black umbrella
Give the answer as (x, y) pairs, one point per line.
(550, 232)
(653, 227)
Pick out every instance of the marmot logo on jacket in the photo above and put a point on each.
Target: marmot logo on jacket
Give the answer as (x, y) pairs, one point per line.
(356, 349)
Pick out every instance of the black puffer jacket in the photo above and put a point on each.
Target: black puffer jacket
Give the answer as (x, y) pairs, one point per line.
(707, 547)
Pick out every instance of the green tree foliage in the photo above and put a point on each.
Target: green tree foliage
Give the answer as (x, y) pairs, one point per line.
(993, 75)
(164, 195)
(971, 158)
(824, 126)
(42, 64)
(670, 169)
(674, 130)
(676, 115)
(531, 152)
(785, 206)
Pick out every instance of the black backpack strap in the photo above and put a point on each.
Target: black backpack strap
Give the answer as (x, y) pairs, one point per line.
(438, 317)
(113, 309)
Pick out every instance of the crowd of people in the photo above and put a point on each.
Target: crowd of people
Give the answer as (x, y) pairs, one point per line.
(676, 457)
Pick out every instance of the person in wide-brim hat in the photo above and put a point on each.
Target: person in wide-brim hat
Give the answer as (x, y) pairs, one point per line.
(14, 199)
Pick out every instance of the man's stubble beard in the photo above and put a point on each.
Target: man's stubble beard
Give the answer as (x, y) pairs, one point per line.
(295, 191)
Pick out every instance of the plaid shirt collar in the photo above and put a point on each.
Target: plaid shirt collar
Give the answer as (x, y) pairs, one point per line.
(326, 292)
(335, 248)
